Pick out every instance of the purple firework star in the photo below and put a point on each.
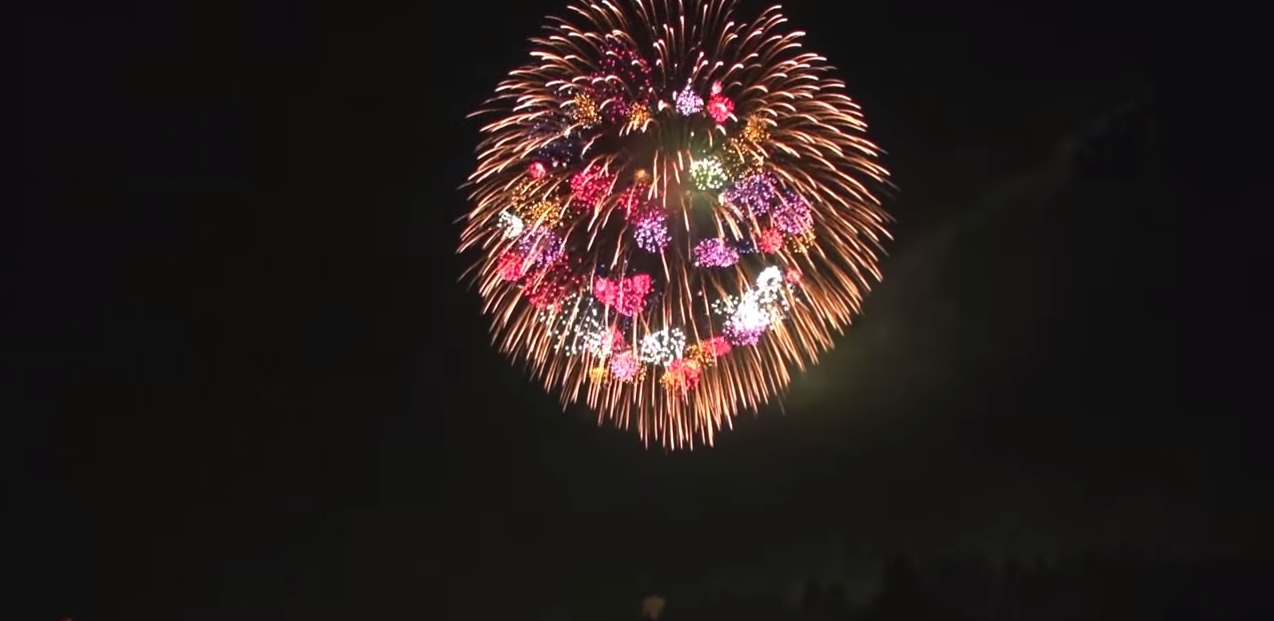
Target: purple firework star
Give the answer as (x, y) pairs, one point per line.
(792, 214)
(715, 253)
(743, 334)
(754, 193)
(688, 103)
(541, 246)
(651, 232)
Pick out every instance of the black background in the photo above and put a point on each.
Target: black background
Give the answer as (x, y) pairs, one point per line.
(247, 385)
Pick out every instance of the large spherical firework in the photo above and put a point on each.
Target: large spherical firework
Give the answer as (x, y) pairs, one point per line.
(674, 208)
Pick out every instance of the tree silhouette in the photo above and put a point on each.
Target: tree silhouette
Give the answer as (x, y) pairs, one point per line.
(901, 595)
(812, 601)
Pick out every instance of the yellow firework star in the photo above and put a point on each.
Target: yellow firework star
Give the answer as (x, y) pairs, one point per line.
(673, 208)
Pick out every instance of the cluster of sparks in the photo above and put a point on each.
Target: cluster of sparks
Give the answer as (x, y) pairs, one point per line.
(708, 174)
(715, 253)
(667, 227)
(750, 315)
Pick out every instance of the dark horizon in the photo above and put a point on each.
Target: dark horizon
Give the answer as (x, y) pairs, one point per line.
(247, 381)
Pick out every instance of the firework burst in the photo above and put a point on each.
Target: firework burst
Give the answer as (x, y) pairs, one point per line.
(686, 201)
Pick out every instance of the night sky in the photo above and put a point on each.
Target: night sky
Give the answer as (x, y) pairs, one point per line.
(246, 384)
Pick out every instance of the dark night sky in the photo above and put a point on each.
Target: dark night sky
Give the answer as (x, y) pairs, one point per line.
(248, 386)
